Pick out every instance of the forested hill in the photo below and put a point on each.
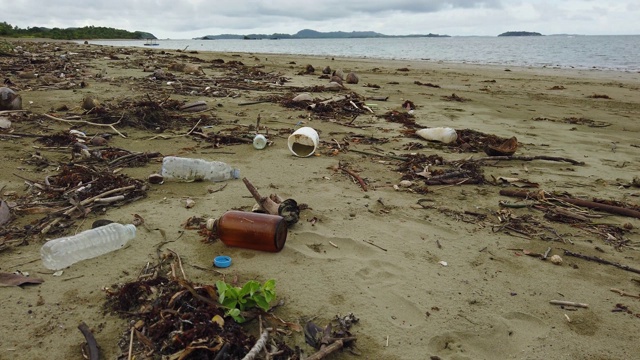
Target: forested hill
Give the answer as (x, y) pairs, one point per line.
(313, 34)
(87, 32)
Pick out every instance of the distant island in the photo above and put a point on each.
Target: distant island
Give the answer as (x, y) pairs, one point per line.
(520, 33)
(312, 34)
(87, 32)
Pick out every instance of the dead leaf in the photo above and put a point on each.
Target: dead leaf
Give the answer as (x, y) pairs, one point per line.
(8, 279)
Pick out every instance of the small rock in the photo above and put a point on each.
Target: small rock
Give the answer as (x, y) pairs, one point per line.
(189, 203)
(9, 99)
(339, 73)
(406, 183)
(352, 78)
(326, 70)
(310, 69)
(98, 141)
(5, 123)
(89, 103)
(303, 97)
(556, 260)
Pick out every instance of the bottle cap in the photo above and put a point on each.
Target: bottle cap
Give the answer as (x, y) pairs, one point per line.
(222, 261)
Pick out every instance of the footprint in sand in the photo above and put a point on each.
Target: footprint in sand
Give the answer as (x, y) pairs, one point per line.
(379, 279)
(501, 339)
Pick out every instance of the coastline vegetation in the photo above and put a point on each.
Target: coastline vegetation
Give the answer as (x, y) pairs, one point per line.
(87, 32)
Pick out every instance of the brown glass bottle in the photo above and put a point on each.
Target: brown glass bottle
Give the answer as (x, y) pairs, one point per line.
(252, 230)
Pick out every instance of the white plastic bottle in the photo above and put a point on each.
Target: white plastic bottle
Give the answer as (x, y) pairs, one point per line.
(186, 169)
(63, 252)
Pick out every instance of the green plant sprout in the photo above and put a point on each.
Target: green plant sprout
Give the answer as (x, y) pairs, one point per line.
(251, 295)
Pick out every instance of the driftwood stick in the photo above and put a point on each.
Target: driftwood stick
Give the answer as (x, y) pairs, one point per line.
(568, 303)
(624, 293)
(88, 123)
(394, 157)
(91, 341)
(526, 158)
(601, 261)
(363, 185)
(611, 209)
(133, 329)
(269, 205)
(323, 352)
(259, 345)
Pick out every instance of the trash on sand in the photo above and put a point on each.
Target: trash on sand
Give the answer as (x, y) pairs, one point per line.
(187, 169)
(445, 135)
(303, 142)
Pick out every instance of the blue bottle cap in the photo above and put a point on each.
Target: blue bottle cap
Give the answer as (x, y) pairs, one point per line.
(222, 261)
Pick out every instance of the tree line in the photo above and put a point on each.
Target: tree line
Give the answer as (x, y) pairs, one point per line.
(87, 32)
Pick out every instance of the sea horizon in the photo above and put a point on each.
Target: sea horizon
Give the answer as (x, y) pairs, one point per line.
(602, 52)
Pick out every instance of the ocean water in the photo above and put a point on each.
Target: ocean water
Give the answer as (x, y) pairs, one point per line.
(620, 53)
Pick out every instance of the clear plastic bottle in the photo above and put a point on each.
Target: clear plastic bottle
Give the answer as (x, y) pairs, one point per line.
(63, 252)
(186, 169)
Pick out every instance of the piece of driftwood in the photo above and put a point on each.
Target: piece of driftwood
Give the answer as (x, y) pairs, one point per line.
(568, 303)
(91, 341)
(363, 185)
(527, 158)
(325, 351)
(267, 204)
(68, 121)
(601, 261)
(579, 202)
(259, 345)
(624, 293)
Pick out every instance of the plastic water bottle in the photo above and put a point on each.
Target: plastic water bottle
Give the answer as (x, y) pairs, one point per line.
(186, 169)
(63, 252)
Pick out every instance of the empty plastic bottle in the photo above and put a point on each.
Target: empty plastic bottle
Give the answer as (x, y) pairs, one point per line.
(63, 252)
(186, 169)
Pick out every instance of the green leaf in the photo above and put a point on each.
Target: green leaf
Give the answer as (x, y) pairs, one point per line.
(250, 288)
(233, 292)
(222, 287)
(235, 314)
(230, 303)
(262, 303)
(270, 285)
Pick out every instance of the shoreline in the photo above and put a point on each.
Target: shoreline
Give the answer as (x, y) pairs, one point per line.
(430, 269)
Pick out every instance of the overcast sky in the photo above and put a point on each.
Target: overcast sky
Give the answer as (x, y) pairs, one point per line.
(183, 19)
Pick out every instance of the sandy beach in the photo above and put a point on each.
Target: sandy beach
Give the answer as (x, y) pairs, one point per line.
(411, 236)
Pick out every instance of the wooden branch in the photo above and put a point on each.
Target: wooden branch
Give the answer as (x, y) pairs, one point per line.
(363, 185)
(611, 209)
(91, 341)
(624, 293)
(88, 123)
(568, 303)
(323, 352)
(601, 261)
(259, 345)
(269, 205)
(526, 158)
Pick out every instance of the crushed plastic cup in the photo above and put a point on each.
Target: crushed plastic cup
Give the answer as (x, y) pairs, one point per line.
(304, 142)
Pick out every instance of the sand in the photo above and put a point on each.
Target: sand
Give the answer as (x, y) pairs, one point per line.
(490, 300)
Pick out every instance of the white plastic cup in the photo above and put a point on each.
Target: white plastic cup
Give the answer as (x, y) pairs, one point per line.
(303, 142)
(259, 142)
